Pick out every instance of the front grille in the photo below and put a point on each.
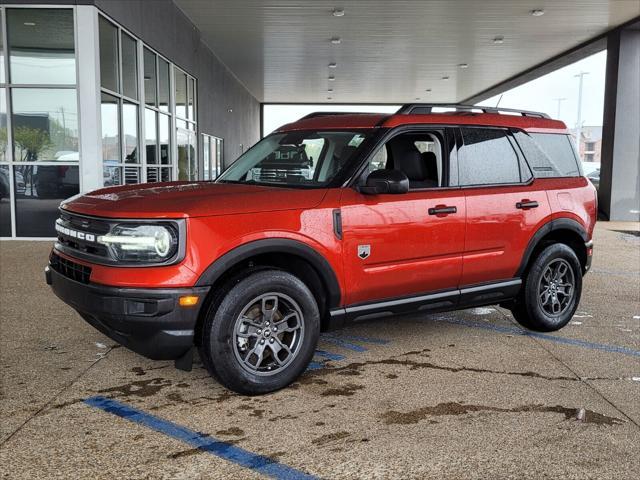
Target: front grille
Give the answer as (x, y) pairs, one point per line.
(69, 225)
(74, 271)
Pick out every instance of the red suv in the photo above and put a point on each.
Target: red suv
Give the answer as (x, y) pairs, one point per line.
(331, 219)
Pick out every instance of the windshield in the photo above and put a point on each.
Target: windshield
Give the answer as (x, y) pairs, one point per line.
(295, 159)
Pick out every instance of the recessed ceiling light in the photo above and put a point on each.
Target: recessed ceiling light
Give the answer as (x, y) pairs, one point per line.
(230, 110)
(329, 98)
(446, 77)
(333, 65)
(336, 40)
(463, 65)
(417, 98)
(329, 90)
(30, 24)
(338, 12)
(428, 90)
(331, 78)
(498, 40)
(537, 12)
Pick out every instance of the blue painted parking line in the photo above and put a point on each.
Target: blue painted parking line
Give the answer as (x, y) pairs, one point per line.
(329, 355)
(315, 366)
(342, 343)
(258, 463)
(544, 336)
(357, 338)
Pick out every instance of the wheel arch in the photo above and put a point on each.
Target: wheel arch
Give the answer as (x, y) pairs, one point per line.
(559, 230)
(289, 255)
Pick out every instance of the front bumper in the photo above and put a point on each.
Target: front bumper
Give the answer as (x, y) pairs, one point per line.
(148, 321)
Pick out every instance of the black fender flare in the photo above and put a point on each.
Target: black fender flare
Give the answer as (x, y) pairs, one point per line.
(553, 225)
(275, 245)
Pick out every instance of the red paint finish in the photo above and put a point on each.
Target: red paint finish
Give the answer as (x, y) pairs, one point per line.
(410, 251)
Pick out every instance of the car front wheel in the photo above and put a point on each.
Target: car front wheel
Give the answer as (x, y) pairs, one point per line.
(551, 290)
(262, 333)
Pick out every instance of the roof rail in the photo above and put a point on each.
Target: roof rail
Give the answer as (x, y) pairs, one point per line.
(426, 108)
(329, 114)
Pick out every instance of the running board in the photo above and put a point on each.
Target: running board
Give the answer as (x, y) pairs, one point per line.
(455, 299)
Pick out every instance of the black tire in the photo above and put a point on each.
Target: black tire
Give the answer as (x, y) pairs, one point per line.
(529, 310)
(219, 348)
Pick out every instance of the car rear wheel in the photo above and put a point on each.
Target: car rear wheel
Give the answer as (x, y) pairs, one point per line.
(261, 334)
(551, 290)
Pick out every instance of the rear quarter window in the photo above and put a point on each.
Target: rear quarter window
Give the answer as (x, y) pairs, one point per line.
(549, 154)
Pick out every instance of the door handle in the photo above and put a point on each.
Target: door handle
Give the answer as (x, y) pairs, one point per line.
(442, 210)
(527, 204)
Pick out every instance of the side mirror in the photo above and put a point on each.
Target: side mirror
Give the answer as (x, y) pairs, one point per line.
(385, 181)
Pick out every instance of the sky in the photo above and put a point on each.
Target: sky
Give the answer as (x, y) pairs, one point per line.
(540, 94)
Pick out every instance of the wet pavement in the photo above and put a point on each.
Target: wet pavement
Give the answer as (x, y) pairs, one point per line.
(465, 394)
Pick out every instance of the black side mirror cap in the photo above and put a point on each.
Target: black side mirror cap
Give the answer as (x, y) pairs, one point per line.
(385, 181)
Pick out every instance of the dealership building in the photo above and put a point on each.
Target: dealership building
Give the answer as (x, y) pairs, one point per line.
(111, 92)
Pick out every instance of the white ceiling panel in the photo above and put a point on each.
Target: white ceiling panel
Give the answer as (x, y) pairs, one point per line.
(392, 51)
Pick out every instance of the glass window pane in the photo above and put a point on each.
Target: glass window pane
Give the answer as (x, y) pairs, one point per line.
(164, 129)
(112, 175)
(131, 175)
(45, 125)
(45, 187)
(150, 136)
(191, 98)
(163, 88)
(1, 52)
(108, 39)
(206, 144)
(193, 156)
(110, 136)
(487, 158)
(5, 200)
(152, 175)
(130, 132)
(129, 67)
(181, 93)
(150, 78)
(4, 139)
(41, 45)
(165, 174)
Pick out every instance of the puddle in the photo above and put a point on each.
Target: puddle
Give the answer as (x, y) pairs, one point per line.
(393, 417)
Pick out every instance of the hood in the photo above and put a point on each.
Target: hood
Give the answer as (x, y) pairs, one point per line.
(190, 199)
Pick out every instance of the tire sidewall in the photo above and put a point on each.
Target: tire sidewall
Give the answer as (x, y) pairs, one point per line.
(221, 322)
(539, 319)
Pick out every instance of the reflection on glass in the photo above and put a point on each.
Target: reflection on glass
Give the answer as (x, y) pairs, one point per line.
(45, 187)
(164, 123)
(165, 174)
(163, 82)
(41, 45)
(45, 125)
(108, 39)
(110, 132)
(131, 175)
(206, 150)
(150, 79)
(4, 138)
(129, 67)
(112, 175)
(187, 158)
(1, 53)
(150, 135)
(191, 98)
(5, 201)
(181, 93)
(130, 132)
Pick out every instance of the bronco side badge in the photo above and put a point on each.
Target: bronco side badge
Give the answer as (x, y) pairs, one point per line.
(364, 251)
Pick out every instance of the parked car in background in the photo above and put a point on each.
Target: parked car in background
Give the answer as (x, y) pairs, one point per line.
(411, 212)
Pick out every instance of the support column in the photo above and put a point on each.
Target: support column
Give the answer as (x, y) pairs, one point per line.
(619, 193)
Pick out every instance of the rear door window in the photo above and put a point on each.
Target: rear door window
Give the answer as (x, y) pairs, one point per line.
(487, 158)
(549, 154)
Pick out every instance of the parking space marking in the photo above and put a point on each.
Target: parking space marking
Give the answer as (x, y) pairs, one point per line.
(259, 463)
(329, 355)
(552, 338)
(342, 343)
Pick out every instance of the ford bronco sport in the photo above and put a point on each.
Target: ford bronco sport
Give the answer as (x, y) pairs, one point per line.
(416, 211)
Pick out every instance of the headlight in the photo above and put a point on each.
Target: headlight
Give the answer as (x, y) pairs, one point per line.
(141, 243)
